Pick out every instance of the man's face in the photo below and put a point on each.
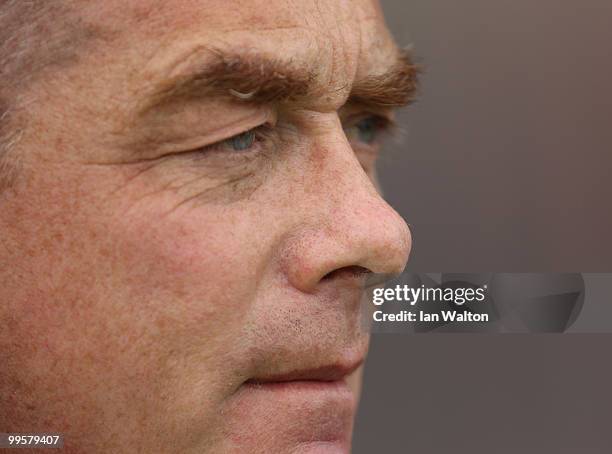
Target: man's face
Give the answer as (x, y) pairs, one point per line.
(182, 261)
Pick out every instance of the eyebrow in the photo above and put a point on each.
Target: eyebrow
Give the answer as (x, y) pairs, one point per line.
(396, 87)
(263, 80)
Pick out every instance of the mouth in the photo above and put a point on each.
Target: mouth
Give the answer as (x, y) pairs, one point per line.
(320, 398)
(329, 374)
(329, 381)
(311, 406)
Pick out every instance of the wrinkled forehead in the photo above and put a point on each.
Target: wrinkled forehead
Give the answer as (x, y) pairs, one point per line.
(341, 38)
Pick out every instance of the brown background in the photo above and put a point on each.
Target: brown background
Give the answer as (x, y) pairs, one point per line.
(505, 166)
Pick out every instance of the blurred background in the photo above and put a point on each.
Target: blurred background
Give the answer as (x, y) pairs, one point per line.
(504, 166)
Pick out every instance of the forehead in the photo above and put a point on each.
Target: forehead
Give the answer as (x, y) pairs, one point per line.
(163, 16)
(345, 36)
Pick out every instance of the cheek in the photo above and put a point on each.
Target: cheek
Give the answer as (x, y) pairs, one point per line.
(196, 261)
(189, 281)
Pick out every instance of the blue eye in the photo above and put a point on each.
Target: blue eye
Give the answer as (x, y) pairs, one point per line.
(368, 130)
(242, 142)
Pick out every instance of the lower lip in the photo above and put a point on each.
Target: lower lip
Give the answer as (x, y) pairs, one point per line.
(338, 387)
(324, 411)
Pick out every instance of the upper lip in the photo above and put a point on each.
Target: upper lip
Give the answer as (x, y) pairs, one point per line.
(329, 372)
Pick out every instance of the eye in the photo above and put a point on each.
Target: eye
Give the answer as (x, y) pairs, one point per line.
(246, 142)
(368, 130)
(242, 142)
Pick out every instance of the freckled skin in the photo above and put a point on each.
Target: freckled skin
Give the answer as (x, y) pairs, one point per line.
(137, 296)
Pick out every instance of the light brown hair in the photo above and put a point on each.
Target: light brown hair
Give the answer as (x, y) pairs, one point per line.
(35, 36)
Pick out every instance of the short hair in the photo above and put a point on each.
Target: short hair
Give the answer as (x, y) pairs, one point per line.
(35, 35)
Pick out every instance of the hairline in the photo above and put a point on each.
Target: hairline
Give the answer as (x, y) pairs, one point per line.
(35, 38)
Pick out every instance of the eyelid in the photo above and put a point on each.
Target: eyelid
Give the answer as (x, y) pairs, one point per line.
(262, 133)
(386, 125)
(241, 125)
(355, 117)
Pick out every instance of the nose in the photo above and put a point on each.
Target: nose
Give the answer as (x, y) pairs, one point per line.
(349, 225)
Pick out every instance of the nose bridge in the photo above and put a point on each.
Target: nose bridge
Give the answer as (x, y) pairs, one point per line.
(349, 222)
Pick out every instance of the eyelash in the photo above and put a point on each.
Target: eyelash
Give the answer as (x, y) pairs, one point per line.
(383, 126)
(264, 133)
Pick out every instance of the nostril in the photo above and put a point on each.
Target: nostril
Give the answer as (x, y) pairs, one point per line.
(348, 272)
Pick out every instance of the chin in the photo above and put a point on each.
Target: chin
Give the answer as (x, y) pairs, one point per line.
(293, 415)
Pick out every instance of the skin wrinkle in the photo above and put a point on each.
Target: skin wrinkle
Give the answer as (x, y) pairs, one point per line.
(232, 72)
(238, 190)
(228, 190)
(397, 88)
(234, 189)
(147, 320)
(195, 50)
(218, 194)
(36, 38)
(270, 79)
(240, 187)
(167, 147)
(210, 194)
(274, 81)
